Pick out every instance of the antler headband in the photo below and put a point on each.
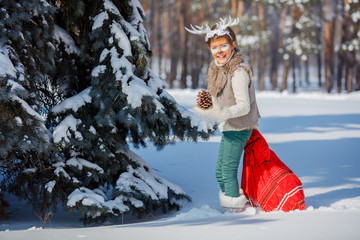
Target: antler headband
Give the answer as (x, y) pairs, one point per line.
(220, 28)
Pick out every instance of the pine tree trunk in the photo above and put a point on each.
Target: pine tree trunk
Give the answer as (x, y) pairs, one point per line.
(348, 33)
(145, 5)
(357, 61)
(319, 63)
(233, 7)
(196, 61)
(166, 36)
(274, 60)
(329, 47)
(277, 43)
(319, 42)
(158, 33)
(341, 53)
(174, 42)
(299, 65)
(253, 51)
(263, 55)
(185, 46)
(151, 26)
(349, 69)
(357, 80)
(193, 60)
(240, 8)
(237, 7)
(285, 74)
(340, 71)
(274, 56)
(293, 63)
(307, 73)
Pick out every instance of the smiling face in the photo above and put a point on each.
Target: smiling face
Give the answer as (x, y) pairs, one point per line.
(221, 49)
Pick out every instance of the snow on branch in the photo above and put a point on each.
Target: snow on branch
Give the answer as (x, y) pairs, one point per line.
(80, 163)
(6, 66)
(62, 132)
(74, 102)
(96, 198)
(60, 35)
(99, 20)
(143, 179)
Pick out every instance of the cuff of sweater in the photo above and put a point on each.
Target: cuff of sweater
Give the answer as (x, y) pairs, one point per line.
(219, 113)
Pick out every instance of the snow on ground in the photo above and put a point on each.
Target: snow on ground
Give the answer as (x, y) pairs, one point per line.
(316, 134)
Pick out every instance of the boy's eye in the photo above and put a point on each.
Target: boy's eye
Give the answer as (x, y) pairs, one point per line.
(224, 47)
(214, 49)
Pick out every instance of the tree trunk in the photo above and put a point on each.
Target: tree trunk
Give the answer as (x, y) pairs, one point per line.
(319, 64)
(341, 53)
(349, 59)
(340, 71)
(285, 74)
(253, 51)
(196, 61)
(357, 61)
(293, 63)
(240, 8)
(349, 68)
(174, 42)
(274, 56)
(196, 66)
(299, 65)
(166, 36)
(263, 52)
(151, 26)
(185, 46)
(278, 38)
(307, 74)
(329, 47)
(237, 7)
(158, 33)
(319, 7)
(145, 5)
(233, 7)
(357, 81)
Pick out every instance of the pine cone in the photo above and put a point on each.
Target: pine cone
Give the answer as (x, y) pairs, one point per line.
(204, 100)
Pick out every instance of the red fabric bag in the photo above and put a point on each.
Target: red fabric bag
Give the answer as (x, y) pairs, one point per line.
(266, 181)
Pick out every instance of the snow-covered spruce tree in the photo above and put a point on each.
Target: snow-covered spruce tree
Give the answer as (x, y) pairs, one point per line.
(96, 174)
(26, 65)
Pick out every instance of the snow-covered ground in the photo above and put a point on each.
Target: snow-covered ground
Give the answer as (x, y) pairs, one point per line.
(317, 135)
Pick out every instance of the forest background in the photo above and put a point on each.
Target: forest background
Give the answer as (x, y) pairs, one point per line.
(313, 44)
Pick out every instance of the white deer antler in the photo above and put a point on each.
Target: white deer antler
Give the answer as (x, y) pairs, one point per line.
(220, 28)
(223, 24)
(198, 30)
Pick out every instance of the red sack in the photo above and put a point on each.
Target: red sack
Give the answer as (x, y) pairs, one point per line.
(266, 181)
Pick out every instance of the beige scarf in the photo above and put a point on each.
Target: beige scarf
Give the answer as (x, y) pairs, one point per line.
(218, 75)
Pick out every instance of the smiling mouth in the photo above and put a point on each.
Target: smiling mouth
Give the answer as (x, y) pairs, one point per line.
(222, 56)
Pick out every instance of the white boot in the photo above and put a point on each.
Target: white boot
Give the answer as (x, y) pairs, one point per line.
(232, 204)
(241, 192)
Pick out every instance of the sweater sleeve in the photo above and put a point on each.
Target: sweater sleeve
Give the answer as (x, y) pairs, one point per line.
(240, 83)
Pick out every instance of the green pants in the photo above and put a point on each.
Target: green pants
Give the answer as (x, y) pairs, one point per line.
(231, 148)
